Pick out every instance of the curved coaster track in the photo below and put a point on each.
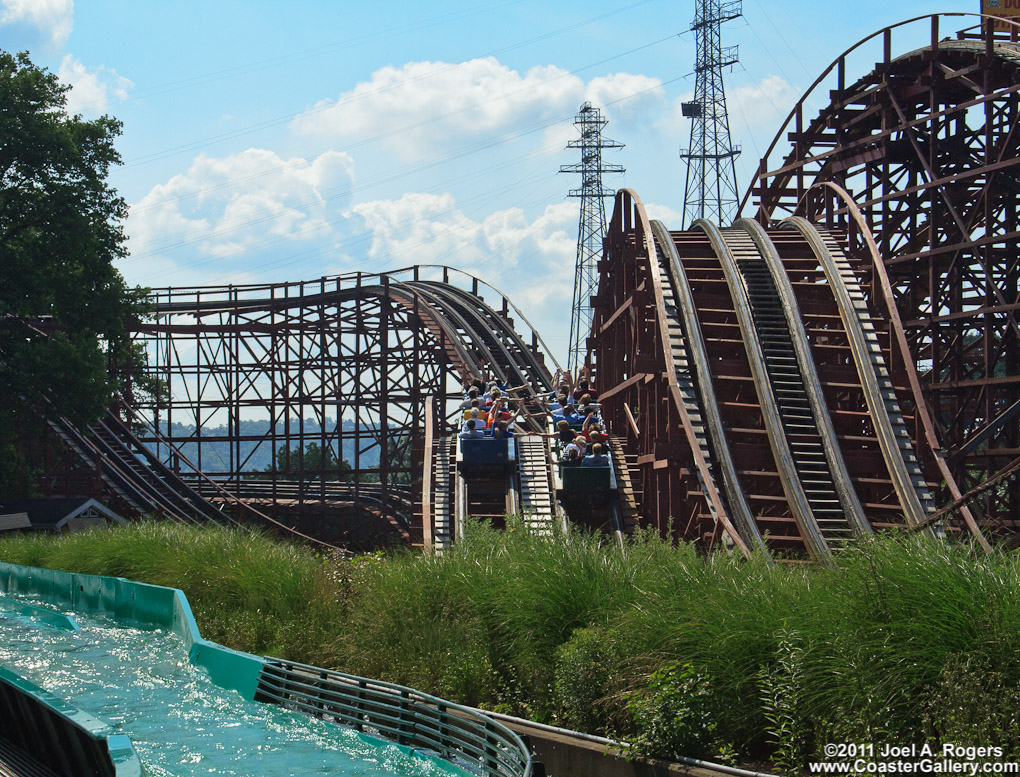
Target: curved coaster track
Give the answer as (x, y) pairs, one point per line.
(728, 356)
(846, 361)
(916, 163)
(277, 372)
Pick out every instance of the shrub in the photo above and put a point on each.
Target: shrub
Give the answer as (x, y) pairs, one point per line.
(974, 703)
(676, 714)
(587, 673)
(903, 636)
(782, 690)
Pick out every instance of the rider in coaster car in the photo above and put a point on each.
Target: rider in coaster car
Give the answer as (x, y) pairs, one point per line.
(583, 388)
(597, 437)
(494, 396)
(590, 425)
(576, 444)
(564, 389)
(572, 459)
(499, 412)
(568, 414)
(470, 432)
(474, 414)
(475, 403)
(597, 457)
(564, 434)
(472, 394)
(502, 431)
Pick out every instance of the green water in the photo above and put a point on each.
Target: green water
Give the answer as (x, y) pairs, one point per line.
(141, 683)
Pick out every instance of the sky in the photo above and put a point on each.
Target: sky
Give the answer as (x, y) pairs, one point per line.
(282, 141)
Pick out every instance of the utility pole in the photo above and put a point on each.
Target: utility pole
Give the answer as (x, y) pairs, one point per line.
(711, 189)
(592, 224)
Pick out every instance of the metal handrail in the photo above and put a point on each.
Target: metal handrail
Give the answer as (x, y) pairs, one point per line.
(879, 393)
(409, 717)
(428, 520)
(249, 292)
(475, 280)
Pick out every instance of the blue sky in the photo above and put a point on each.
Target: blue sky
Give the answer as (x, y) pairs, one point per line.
(271, 141)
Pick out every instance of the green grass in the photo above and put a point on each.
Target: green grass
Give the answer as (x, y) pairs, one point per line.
(904, 640)
(246, 590)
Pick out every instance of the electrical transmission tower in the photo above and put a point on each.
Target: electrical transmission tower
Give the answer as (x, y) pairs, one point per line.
(711, 190)
(592, 224)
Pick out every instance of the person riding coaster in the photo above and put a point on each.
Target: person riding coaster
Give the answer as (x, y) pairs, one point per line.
(470, 431)
(502, 431)
(474, 415)
(597, 457)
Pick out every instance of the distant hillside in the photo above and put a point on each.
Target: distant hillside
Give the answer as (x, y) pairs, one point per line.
(259, 455)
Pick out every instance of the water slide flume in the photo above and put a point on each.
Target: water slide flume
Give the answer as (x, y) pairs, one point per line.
(418, 724)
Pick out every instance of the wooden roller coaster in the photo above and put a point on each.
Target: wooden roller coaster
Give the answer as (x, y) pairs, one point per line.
(846, 361)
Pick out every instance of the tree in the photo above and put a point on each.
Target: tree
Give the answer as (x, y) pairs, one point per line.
(314, 463)
(63, 305)
(398, 456)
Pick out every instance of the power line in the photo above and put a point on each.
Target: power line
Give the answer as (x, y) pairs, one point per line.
(177, 241)
(269, 123)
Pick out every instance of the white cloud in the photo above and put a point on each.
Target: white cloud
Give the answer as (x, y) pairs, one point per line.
(530, 261)
(241, 205)
(423, 106)
(673, 219)
(422, 229)
(556, 137)
(541, 254)
(674, 121)
(767, 101)
(755, 107)
(53, 18)
(91, 90)
(625, 95)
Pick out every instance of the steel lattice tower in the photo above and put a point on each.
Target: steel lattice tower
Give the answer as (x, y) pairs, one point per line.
(592, 223)
(711, 189)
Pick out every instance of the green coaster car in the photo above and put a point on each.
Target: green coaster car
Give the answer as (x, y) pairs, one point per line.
(585, 484)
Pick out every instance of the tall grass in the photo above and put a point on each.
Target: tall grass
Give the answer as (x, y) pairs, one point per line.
(246, 590)
(904, 639)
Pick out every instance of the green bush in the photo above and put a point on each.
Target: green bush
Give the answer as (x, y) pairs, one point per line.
(903, 638)
(676, 714)
(973, 703)
(782, 691)
(247, 590)
(587, 674)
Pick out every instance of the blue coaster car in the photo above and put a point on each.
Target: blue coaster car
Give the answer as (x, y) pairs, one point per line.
(485, 456)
